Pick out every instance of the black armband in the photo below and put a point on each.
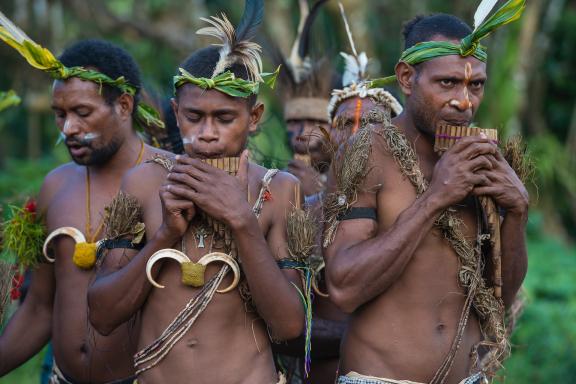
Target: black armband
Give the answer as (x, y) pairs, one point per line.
(359, 213)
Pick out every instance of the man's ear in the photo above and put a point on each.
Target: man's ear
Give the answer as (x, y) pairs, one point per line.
(255, 117)
(125, 105)
(174, 105)
(406, 76)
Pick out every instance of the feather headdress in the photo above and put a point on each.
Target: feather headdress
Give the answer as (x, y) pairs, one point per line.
(306, 83)
(236, 47)
(356, 80)
(356, 65)
(469, 45)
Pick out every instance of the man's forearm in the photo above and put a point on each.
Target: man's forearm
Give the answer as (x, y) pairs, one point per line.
(514, 255)
(25, 334)
(276, 298)
(115, 297)
(358, 273)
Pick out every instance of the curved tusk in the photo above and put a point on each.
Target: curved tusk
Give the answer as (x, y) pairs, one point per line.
(62, 231)
(315, 284)
(225, 258)
(161, 254)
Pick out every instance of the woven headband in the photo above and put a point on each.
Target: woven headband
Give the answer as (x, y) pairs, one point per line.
(42, 59)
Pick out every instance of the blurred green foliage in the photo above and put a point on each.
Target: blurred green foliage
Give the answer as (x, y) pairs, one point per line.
(544, 343)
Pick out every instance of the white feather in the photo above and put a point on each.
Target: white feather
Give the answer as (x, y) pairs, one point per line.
(351, 69)
(348, 31)
(363, 65)
(483, 11)
(16, 32)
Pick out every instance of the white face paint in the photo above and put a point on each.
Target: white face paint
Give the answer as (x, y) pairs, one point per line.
(90, 136)
(66, 126)
(81, 139)
(188, 140)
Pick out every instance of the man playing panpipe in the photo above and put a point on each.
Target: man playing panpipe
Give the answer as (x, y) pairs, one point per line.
(408, 243)
(216, 278)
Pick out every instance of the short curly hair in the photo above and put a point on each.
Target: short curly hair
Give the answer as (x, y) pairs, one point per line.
(423, 28)
(109, 59)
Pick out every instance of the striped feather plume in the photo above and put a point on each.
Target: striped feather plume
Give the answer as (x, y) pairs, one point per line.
(355, 64)
(235, 43)
(299, 62)
(483, 11)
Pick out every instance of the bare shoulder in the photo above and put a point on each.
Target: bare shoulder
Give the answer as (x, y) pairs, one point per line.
(282, 185)
(284, 182)
(56, 180)
(147, 177)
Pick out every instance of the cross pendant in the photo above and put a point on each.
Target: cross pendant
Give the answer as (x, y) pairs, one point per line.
(201, 235)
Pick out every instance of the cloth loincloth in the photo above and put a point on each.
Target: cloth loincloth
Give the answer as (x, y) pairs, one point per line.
(57, 377)
(356, 378)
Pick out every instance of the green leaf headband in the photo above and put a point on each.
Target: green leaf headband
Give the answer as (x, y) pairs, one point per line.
(470, 45)
(227, 82)
(8, 99)
(41, 58)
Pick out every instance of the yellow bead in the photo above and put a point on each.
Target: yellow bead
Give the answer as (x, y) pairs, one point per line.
(84, 255)
(193, 274)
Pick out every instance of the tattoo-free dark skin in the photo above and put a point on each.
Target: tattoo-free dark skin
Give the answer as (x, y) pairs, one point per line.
(398, 277)
(308, 137)
(55, 307)
(227, 344)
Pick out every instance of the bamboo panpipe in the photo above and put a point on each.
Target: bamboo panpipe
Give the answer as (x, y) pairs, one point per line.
(303, 158)
(446, 137)
(228, 164)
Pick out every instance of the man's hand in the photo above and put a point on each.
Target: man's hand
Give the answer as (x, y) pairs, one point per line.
(220, 195)
(504, 186)
(176, 211)
(310, 180)
(459, 170)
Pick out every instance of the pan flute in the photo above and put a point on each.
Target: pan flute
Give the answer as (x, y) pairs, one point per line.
(303, 158)
(226, 241)
(227, 164)
(446, 137)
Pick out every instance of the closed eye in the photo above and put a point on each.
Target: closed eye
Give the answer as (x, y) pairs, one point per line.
(225, 119)
(83, 112)
(193, 118)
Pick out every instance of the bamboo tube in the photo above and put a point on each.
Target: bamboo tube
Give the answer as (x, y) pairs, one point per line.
(446, 137)
(227, 164)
